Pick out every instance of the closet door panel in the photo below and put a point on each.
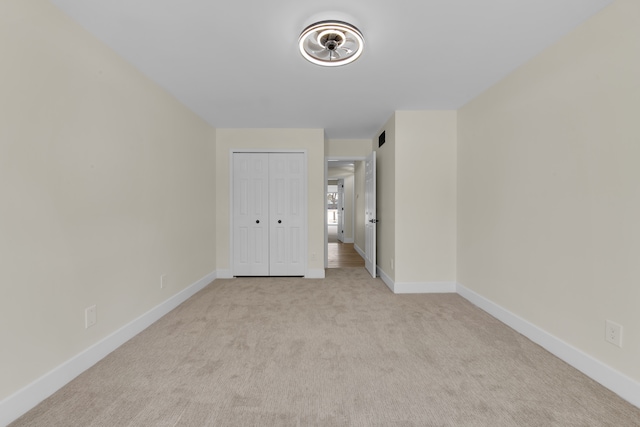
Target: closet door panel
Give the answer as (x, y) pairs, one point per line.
(286, 213)
(250, 214)
(269, 214)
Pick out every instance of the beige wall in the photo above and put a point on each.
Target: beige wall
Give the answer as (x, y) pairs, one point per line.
(312, 140)
(425, 194)
(416, 197)
(549, 188)
(386, 198)
(351, 148)
(107, 182)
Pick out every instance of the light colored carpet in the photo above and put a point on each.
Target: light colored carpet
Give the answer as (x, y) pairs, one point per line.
(343, 351)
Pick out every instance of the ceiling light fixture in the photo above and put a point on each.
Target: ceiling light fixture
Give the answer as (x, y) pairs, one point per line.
(331, 43)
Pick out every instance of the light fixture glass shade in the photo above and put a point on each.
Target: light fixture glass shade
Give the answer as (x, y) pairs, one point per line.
(331, 43)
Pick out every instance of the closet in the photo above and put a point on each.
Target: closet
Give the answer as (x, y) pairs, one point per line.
(269, 214)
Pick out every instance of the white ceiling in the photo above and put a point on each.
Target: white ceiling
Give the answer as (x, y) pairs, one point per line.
(340, 169)
(236, 64)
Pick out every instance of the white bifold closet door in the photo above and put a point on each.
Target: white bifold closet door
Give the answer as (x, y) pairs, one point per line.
(268, 214)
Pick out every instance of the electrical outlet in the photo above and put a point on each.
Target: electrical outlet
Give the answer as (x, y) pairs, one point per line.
(89, 316)
(613, 333)
(313, 256)
(392, 263)
(163, 281)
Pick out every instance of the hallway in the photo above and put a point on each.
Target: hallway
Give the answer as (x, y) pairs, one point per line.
(343, 255)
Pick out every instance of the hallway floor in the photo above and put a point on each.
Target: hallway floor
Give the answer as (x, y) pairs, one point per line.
(343, 255)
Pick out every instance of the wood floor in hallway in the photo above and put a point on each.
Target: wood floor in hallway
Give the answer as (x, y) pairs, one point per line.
(343, 255)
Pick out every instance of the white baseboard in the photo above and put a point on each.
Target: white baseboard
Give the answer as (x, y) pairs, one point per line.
(224, 274)
(360, 251)
(315, 273)
(348, 240)
(29, 396)
(619, 383)
(416, 287)
(386, 279)
(424, 287)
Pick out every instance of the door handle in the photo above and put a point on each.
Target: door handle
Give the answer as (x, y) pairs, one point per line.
(373, 221)
(279, 221)
(257, 221)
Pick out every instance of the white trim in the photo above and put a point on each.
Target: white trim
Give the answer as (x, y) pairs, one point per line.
(352, 239)
(348, 240)
(315, 273)
(327, 159)
(29, 396)
(360, 251)
(230, 207)
(305, 208)
(619, 383)
(305, 201)
(424, 288)
(326, 214)
(341, 204)
(224, 274)
(344, 158)
(386, 279)
(267, 150)
(416, 287)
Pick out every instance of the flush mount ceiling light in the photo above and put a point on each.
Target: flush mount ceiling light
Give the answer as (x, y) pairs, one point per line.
(331, 43)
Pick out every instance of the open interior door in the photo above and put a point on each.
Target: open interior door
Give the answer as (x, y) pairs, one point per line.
(370, 214)
(341, 210)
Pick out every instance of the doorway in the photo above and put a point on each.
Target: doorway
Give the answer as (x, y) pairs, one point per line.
(345, 189)
(335, 210)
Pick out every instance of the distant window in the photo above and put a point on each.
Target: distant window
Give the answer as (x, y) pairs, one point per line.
(332, 200)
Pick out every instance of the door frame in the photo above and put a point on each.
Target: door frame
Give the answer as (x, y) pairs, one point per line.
(305, 199)
(371, 212)
(327, 159)
(340, 206)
